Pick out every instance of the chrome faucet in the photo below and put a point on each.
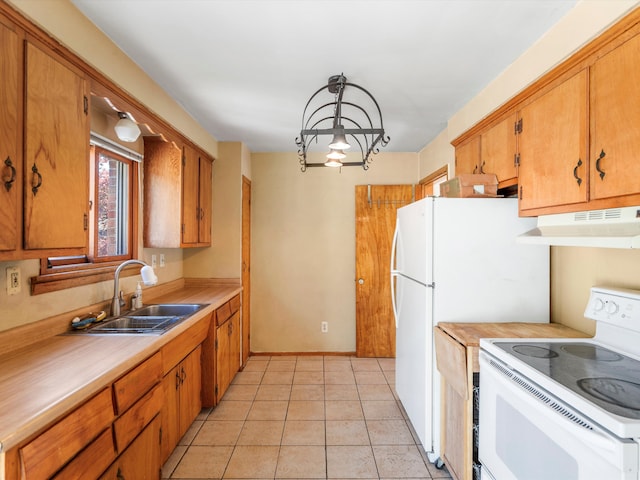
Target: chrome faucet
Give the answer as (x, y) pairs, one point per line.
(148, 277)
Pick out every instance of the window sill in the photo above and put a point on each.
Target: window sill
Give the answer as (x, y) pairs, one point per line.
(55, 281)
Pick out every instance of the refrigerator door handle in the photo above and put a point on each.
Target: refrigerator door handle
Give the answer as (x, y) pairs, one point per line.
(394, 274)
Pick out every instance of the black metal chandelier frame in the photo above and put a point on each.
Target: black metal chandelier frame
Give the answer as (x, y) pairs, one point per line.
(367, 133)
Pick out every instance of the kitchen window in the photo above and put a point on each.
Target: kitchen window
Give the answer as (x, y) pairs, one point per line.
(113, 207)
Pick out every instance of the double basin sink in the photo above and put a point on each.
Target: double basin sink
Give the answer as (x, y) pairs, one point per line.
(148, 320)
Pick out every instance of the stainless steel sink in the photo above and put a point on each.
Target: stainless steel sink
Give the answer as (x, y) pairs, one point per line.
(149, 320)
(168, 309)
(137, 324)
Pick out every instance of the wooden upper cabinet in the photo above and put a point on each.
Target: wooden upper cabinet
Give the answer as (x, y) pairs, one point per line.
(468, 156)
(56, 146)
(10, 119)
(177, 195)
(615, 111)
(553, 147)
(498, 151)
(196, 195)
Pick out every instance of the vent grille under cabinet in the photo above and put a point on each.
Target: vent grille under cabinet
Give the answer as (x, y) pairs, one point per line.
(594, 215)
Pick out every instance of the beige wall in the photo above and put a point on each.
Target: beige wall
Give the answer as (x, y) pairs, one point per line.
(63, 21)
(573, 270)
(303, 249)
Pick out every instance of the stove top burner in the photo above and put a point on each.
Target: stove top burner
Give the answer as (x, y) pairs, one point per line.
(613, 390)
(592, 352)
(534, 351)
(602, 376)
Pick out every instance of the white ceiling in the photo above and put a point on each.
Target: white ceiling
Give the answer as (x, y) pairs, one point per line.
(245, 69)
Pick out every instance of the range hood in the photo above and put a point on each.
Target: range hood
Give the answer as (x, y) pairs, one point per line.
(610, 228)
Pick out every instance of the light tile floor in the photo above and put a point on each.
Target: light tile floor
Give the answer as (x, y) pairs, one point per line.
(304, 417)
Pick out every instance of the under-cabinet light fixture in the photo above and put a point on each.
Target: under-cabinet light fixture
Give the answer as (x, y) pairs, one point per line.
(126, 129)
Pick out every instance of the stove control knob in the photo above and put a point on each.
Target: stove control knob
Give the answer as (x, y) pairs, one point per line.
(598, 304)
(612, 307)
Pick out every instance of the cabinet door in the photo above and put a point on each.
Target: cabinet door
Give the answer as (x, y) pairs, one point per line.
(204, 231)
(468, 156)
(56, 158)
(223, 346)
(553, 145)
(190, 200)
(234, 345)
(169, 413)
(498, 148)
(190, 389)
(615, 111)
(9, 137)
(140, 461)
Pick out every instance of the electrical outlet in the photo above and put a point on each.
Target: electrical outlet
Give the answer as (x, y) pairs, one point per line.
(153, 261)
(161, 260)
(324, 327)
(14, 283)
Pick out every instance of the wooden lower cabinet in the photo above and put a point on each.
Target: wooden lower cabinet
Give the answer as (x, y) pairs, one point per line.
(457, 347)
(141, 460)
(181, 387)
(227, 346)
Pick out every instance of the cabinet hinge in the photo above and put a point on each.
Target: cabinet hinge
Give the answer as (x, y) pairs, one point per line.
(517, 127)
(520, 192)
(86, 105)
(85, 222)
(182, 228)
(184, 160)
(160, 435)
(216, 390)
(216, 344)
(516, 159)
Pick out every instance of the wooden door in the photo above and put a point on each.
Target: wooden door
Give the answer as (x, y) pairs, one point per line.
(615, 111)
(204, 230)
(246, 269)
(553, 147)
(497, 150)
(9, 136)
(376, 207)
(190, 186)
(56, 154)
(468, 156)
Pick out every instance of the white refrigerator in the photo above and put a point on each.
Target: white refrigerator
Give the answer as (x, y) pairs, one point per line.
(457, 260)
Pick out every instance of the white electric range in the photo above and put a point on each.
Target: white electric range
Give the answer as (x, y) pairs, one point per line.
(565, 408)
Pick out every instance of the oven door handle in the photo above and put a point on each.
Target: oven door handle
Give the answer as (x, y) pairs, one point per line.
(577, 424)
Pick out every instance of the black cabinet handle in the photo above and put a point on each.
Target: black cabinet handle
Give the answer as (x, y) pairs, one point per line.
(36, 175)
(9, 183)
(575, 172)
(600, 171)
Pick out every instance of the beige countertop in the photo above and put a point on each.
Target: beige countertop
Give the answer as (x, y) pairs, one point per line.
(41, 382)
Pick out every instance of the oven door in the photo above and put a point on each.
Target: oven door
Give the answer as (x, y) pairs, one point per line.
(527, 434)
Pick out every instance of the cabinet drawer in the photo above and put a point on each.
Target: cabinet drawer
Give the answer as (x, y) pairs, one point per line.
(183, 344)
(92, 461)
(451, 360)
(129, 425)
(44, 455)
(223, 313)
(137, 382)
(235, 304)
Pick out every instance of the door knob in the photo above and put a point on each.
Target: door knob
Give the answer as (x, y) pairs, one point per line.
(361, 281)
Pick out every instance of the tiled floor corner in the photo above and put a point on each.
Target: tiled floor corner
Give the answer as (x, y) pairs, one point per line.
(304, 417)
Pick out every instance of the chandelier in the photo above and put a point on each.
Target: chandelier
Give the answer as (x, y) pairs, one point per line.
(347, 122)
